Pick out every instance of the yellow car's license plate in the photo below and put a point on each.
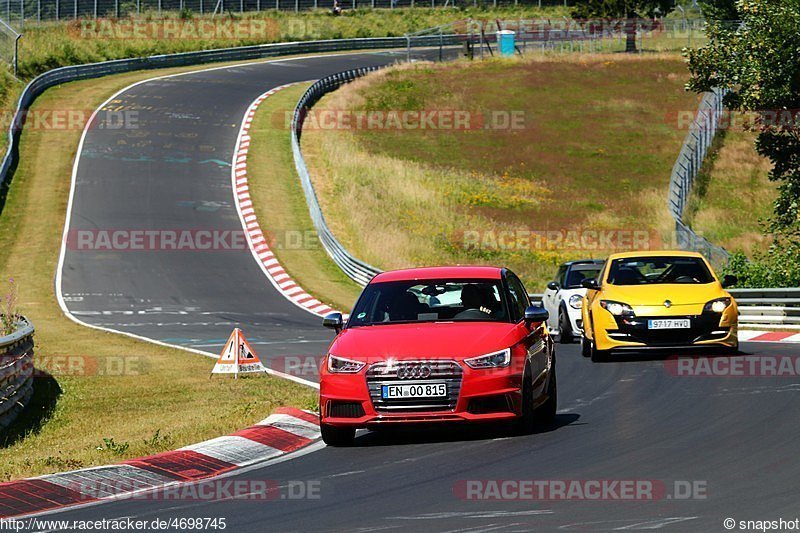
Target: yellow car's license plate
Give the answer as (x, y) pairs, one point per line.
(669, 323)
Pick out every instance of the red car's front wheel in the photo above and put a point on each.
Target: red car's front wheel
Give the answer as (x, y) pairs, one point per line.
(540, 416)
(336, 436)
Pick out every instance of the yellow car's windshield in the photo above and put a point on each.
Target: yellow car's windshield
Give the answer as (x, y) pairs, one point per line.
(658, 270)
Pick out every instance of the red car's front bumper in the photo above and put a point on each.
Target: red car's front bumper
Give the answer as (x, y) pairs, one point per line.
(484, 395)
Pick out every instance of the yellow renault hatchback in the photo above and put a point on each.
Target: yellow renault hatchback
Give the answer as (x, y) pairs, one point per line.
(664, 299)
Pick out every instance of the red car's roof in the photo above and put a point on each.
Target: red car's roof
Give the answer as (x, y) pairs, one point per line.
(444, 272)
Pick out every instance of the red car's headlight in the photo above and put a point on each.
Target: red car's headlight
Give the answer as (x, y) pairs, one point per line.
(340, 365)
(490, 360)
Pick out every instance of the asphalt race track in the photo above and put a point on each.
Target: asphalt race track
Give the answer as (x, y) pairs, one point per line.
(736, 439)
(171, 170)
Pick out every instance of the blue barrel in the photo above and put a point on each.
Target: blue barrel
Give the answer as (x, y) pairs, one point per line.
(505, 42)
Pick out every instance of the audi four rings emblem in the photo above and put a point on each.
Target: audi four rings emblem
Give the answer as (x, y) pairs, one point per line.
(413, 372)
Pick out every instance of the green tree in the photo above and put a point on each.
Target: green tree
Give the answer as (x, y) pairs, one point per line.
(720, 9)
(629, 10)
(758, 62)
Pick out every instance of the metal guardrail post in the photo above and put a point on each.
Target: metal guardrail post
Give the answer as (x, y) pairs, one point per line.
(16, 53)
(16, 372)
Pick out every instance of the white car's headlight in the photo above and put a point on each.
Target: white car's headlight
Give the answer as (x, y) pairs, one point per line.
(576, 301)
(340, 365)
(490, 360)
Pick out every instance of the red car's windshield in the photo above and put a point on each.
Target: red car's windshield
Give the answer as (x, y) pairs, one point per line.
(430, 301)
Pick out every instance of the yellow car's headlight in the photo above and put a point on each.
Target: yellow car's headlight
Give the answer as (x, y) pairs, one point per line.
(617, 308)
(717, 306)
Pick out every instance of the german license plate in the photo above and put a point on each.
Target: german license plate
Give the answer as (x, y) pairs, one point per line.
(669, 323)
(412, 390)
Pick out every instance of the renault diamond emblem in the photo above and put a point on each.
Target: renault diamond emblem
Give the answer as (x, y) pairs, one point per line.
(667, 303)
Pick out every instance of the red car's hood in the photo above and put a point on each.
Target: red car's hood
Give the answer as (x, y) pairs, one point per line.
(447, 340)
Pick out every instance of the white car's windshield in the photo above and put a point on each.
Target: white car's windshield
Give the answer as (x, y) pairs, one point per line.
(578, 273)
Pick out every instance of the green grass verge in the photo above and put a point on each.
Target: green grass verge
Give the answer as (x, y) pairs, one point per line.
(281, 207)
(733, 196)
(166, 400)
(595, 154)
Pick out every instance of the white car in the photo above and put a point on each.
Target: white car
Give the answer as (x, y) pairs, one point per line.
(564, 297)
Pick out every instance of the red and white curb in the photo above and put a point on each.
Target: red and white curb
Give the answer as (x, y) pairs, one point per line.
(769, 336)
(255, 237)
(286, 430)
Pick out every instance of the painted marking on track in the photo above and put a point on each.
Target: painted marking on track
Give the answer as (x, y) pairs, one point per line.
(472, 514)
(629, 524)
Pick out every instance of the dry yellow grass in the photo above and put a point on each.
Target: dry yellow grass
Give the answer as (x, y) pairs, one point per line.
(733, 195)
(171, 402)
(399, 205)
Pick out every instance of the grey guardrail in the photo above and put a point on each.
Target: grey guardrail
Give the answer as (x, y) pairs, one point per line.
(357, 270)
(354, 268)
(768, 307)
(695, 146)
(61, 75)
(16, 372)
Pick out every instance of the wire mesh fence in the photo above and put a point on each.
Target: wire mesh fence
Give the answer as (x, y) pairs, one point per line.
(698, 141)
(21, 12)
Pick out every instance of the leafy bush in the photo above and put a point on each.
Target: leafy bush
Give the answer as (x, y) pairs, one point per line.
(779, 266)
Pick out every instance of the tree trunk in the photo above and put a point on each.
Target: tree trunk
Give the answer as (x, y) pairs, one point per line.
(630, 36)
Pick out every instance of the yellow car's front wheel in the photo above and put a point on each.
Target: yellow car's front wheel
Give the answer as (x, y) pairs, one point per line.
(588, 349)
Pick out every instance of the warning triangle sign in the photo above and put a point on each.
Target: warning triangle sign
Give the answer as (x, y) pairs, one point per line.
(237, 357)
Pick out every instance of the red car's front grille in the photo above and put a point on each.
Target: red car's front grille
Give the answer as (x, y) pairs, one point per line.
(416, 372)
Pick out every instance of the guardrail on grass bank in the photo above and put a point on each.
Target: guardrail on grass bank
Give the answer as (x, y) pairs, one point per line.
(61, 75)
(357, 270)
(16, 372)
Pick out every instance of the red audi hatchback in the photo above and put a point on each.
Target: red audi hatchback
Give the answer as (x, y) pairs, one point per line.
(441, 344)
